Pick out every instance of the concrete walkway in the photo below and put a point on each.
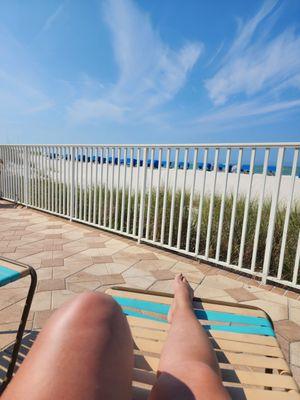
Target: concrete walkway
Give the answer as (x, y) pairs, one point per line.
(71, 258)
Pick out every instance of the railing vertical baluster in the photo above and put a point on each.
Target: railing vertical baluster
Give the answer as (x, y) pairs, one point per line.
(95, 184)
(222, 208)
(81, 182)
(143, 194)
(60, 185)
(171, 222)
(259, 210)
(85, 183)
(201, 201)
(100, 209)
(211, 204)
(91, 183)
(234, 204)
(191, 202)
(72, 181)
(48, 177)
(297, 262)
(25, 175)
(150, 193)
(123, 189)
(106, 187)
(112, 183)
(117, 189)
(287, 214)
(272, 219)
(246, 210)
(136, 193)
(164, 209)
(157, 195)
(129, 192)
(186, 153)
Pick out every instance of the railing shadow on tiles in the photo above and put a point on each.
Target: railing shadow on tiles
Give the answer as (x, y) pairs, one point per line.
(236, 205)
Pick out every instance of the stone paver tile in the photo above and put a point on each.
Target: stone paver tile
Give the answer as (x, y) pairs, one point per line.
(53, 246)
(54, 226)
(295, 353)
(79, 287)
(226, 298)
(181, 267)
(102, 259)
(41, 301)
(96, 245)
(146, 256)
(294, 303)
(111, 279)
(83, 276)
(221, 282)
(296, 374)
(240, 294)
(59, 297)
(13, 295)
(152, 265)
(166, 286)
(101, 269)
(284, 346)
(139, 282)
(276, 312)
(294, 314)
(115, 268)
(137, 272)
(163, 275)
(289, 330)
(273, 297)
(53, 236)
(41, 317)
(8, 332)
(91, 234)
(209, 292)
(67, 270)
(13, 313)
(52, 262)
(51, 284)
(44, 273)
(253, 289)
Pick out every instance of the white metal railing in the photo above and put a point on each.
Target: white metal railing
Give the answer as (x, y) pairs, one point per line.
(236, 205)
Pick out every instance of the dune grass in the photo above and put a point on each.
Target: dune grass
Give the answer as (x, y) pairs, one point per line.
(113, 219)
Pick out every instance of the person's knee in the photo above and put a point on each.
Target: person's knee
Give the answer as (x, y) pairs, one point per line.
(92, 309)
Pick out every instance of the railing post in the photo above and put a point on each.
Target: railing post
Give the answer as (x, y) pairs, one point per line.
(272, 219)
(142, 202)
(26, 175)
(72, 183)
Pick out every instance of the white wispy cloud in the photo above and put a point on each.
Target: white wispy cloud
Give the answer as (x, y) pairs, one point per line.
(255, 75)
(53, 17)
(151, 73)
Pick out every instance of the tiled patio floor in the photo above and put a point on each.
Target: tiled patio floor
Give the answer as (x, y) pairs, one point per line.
(71, 258)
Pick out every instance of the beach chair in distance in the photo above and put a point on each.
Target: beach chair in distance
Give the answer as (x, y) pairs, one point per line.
(11, 271)
(251, 362)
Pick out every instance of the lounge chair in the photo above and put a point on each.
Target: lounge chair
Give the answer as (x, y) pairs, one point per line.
(252, 364)
(11, 271)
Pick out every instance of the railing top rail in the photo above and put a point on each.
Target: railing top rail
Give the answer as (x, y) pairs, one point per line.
(176, 145)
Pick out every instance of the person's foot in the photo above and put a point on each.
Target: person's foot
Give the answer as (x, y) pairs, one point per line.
(183, 295)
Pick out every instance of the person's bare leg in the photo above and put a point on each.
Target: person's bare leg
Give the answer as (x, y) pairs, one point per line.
(84, 352)
(188, 367)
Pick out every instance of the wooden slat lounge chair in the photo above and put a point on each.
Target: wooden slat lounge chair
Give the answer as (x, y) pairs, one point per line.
(11, 271)
(252, 364)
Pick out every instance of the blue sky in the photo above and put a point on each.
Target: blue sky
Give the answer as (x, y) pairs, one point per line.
(124, 71)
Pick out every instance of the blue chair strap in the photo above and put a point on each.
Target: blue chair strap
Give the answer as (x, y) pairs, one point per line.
(8, 275)
(163, 309)
(251, 330)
